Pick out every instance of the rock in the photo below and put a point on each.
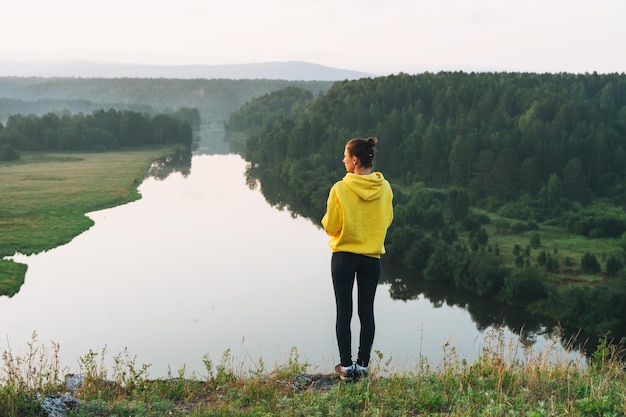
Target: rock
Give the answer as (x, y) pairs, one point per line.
(318, 382)
(59, 405)
(73, 381)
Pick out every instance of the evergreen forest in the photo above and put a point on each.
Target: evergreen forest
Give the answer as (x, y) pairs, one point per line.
(99, 131)
(509, 185)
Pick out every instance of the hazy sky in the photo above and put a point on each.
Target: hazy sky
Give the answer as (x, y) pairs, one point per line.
(376, 36)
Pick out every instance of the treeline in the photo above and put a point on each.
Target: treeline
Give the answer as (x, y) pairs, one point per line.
(497, 135)
(101, 130)
(39, 107)
(533, 149)
(215, 99)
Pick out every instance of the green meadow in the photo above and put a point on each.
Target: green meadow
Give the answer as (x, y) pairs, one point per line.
(558, 243)
(45, 197)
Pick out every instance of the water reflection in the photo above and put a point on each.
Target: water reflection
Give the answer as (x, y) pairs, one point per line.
(180, 162)
(282, 196)
(406, 285)
(201, 265)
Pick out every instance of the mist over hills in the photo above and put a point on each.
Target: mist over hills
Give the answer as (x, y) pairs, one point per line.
(290, 70)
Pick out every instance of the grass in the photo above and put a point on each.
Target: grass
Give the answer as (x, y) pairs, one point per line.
(45, 198)
(501, 382)
(12, 276)
(566, 248)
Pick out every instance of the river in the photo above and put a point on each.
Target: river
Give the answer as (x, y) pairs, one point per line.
(203, 267)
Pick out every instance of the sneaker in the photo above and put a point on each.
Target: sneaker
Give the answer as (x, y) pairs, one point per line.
(346, 373)
(360, 371)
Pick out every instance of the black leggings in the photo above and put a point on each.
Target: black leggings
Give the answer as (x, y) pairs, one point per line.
(344, 266)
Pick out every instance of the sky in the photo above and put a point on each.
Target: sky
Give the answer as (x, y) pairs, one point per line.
(374, 36)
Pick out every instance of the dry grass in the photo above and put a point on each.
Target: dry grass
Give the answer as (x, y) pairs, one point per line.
(508, 379)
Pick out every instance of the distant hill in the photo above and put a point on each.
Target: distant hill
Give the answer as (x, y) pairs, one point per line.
(291, 70)
(214, 98)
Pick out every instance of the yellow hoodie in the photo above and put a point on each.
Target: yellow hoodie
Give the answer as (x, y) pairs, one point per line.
(358, 212)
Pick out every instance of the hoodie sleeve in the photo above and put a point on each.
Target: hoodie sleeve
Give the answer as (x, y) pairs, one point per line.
(333, 219)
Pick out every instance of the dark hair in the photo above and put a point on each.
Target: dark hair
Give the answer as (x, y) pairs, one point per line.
(364, 149)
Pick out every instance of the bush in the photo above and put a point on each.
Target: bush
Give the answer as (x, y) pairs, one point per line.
(542, 258)
(473, 221)
(433, 218)
(524, 209)
(595, 224)
(416, 257)
(441, 265)
(589, 263)
(521, 227)
(449, 234)
(400, 239)
(613, 265)
(552, 264)
(487, 273)
(479, 236)
(535, 240)
(523, 286)
(7, 153)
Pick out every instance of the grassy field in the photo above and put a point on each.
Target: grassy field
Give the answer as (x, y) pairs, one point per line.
(45, 198)
(566, 248)
(501, 382)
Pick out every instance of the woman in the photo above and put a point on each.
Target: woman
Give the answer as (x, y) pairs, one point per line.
(358, 212)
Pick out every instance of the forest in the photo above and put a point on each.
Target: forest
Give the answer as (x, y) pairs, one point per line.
(215, 99)
(509, 185)
(99, 131)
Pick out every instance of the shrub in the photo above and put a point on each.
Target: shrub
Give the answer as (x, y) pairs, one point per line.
(518, 227)
(613, 265)
(7, 153)
(589, 263)
(535, 240)
(596, 224)
(416, 257)
(552, 264)
(523, 286)
(473, 221)
(542, 258)
(487, 272)
(479, 236)
(441, 265)
(433, 218)
(449, 234)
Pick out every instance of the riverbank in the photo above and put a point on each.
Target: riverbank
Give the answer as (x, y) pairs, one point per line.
(45, 197)
(496, 384)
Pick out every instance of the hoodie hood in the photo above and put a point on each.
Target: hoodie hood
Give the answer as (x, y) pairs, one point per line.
(367, 187)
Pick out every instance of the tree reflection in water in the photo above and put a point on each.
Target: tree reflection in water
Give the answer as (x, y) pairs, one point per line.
(407, 285)
(180, 161)
(484, 311)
